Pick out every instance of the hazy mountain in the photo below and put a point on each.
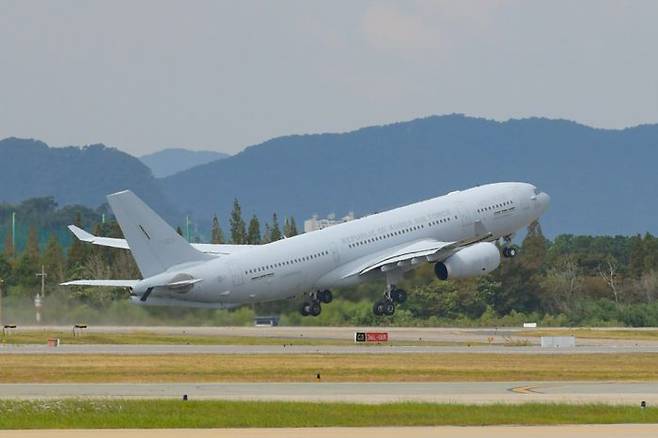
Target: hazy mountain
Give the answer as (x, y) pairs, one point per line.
(601, 181)
(73, 175)
(169, 161)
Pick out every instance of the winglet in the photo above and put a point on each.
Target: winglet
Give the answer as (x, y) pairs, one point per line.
(81, 234)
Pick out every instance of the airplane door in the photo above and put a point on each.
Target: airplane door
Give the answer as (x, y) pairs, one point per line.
(335, 254)
(237, 276)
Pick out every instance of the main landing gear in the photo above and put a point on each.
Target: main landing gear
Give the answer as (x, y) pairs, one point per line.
(392, 296)
(508, 250)
(313, 306)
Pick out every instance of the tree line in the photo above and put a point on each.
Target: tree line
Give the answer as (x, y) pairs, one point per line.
(578, 280)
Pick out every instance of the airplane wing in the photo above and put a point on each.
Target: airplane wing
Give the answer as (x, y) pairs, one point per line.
(425, 250)
(208, 248)
(109, 283)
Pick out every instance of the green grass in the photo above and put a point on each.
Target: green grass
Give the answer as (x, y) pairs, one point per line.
(145, 337)
(87, 414)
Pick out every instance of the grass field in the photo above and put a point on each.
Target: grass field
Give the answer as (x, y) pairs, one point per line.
(333, 367)
(98, 414)
(149, 338)
(586, 333)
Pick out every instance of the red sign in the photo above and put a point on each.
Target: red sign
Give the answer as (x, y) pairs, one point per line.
(376, 337)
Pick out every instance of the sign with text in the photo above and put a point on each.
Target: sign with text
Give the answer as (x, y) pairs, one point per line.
(370, 337)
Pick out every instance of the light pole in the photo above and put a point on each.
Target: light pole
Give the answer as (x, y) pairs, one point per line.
(37, 300)
(1, 282)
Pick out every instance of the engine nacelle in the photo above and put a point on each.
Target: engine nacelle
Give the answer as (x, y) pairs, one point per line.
(472, 261)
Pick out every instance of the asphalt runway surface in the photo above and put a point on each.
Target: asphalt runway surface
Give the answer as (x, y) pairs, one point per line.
(568, 431)
(438, 392)
(452, 340)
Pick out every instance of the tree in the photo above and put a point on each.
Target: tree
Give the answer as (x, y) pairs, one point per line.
(217, 236)
(179, 231)
(253, 235)
(533, 248)
(289, 227)
(6, 276)
(238, 232)
(32, 246)
(276, 231)
(610, 274)
(53, 259)
(561, 285)
(9, 247)
(267, 234)
(77, 252)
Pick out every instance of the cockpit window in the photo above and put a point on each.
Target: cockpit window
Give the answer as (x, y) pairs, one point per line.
(537, 191)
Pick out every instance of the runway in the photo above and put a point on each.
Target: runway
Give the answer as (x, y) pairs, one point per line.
(567, 431)
(441, 392)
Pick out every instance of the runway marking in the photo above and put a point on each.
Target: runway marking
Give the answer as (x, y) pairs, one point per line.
(526, 390)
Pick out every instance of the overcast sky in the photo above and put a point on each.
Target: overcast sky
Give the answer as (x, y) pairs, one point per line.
(146, 75)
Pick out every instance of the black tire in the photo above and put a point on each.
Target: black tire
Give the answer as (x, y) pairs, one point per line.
(511, 252)
(389, 308)
(314, 309)
(304, 308)
(399, 295)
(378, 308)
(325, 296)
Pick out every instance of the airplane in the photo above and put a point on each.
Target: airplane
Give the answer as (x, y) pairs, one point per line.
(455, 232)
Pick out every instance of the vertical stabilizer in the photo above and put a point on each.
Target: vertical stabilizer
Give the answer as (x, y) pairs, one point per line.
(153, 243)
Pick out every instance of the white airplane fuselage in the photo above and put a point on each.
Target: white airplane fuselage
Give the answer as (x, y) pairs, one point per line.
(332, 257)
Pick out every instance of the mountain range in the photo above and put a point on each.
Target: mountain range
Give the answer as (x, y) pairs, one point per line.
(170, 161)
(601, 181)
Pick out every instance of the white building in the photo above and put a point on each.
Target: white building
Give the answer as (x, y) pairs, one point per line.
(315, 223)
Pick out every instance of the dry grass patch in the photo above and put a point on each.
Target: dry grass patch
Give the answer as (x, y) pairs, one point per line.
(333, 367)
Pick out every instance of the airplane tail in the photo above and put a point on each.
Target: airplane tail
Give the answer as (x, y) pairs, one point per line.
(154, 245)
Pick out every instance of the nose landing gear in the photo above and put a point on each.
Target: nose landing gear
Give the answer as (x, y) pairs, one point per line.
(508, 250)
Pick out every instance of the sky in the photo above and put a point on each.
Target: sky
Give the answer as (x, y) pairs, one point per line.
(146, 75)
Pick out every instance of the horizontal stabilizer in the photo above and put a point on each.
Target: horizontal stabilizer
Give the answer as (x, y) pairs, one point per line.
(108, 283)
(112, 242)
(84, 236)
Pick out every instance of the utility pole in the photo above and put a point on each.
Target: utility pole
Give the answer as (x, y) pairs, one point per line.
(13, 232)
(1, 282)
(39, 297)
(187, 228)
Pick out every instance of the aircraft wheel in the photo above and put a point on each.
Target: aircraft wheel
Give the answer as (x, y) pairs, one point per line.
(304, 309)
(399, 296)
(378, 308)
(389, 308)
(325, 296)
(314, 309)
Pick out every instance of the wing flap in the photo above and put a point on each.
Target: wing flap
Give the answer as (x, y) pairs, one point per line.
(423, 250)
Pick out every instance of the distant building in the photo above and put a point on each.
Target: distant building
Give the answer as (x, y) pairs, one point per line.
(315, 223)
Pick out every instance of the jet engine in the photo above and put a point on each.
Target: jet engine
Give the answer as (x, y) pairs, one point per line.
(472, 261)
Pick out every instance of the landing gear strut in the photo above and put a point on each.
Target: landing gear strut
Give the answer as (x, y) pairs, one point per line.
(392, 296)
(313, 306)
(508, 250)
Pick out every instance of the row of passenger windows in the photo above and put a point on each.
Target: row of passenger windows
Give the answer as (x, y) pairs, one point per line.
(286, 263)
(386, 236)
(492, 207)
(441, 221)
